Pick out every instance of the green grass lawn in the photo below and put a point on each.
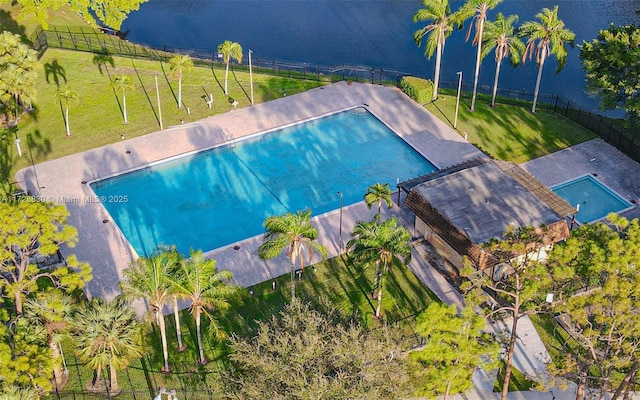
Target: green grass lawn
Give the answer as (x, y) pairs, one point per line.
(97, 119)
(343, 285)
(509, 132)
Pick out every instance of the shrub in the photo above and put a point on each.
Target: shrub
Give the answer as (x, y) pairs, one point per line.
(421, 90)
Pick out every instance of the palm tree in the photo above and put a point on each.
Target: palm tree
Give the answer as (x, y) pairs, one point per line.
(229, 50)
(442, 21)
(121, 84)
(477, 8)
(294, 234)
(546, 37)
(12, 392)
(199, 281)
(502, 36)
(107, 335)
(147, 279)
(178, 64)
(377, 194)
(381, 245)
(65, 96)
(51, 312)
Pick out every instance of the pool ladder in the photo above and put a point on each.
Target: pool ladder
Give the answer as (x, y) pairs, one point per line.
(229, 138)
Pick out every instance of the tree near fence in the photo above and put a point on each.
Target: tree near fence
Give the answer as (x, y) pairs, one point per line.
(441, 22)
(612, 67)
(229, 50)
(108, 12)
(502, 36)
(480, 8)
(545, 37)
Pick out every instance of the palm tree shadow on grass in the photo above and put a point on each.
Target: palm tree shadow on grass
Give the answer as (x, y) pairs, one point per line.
(213, 72)
(235, 78)
(353, 285)
(144, 89)
(54, 72)
(42, 146)
(166, 78)
(102, 59)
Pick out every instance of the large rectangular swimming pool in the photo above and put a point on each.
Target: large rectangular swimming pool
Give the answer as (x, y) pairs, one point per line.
(223, 195)
(593, 199)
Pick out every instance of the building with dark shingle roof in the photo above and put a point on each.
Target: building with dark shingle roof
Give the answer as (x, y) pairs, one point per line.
(461, 207)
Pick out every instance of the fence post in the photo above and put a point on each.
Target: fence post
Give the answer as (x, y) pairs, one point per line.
(578, 117)
(555, 107)
(566, 109)
(599, 123)
(619, 139)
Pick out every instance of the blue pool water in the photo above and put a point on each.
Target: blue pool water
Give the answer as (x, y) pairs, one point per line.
(593, 197)
(220, 196)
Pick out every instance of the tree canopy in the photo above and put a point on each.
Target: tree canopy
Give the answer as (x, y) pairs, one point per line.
(597, 287)
(32, 231)
(456, 346)
(110, 13)
(303, 353)
(18, 75)
(612, 67)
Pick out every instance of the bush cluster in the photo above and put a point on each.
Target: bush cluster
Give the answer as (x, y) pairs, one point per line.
(418, 89)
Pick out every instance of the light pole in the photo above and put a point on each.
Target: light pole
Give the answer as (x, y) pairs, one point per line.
(340, 229)
(455, 119)
(251, 76)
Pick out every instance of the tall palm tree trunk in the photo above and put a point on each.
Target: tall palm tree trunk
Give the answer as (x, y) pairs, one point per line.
(201, 359)
(543, 57)
(226, 79)
(113, 380)
(510, 350)
(293, 282)
(495, 84)
(58, 372)
(66, 120)
(180, 91)
(163, 338)
(124, 108)
(436, 78)
(477, 73)
(381, 284)
(447, 391)
(176, 316)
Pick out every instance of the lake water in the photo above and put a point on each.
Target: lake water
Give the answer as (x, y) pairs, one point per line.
(376, 33)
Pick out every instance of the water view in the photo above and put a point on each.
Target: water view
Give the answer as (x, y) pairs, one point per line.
(363, 32)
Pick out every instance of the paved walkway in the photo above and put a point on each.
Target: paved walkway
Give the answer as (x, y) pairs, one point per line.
(103, 246)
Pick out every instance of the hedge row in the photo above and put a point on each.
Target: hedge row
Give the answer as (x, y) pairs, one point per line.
(421, 90)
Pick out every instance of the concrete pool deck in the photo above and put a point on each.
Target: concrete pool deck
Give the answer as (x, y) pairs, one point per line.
(100, 242)
(596, 157)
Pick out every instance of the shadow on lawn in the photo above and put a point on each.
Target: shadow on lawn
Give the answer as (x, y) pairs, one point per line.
(144, 89)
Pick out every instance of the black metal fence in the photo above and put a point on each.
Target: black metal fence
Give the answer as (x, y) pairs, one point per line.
(97, 41)
(608, 129)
